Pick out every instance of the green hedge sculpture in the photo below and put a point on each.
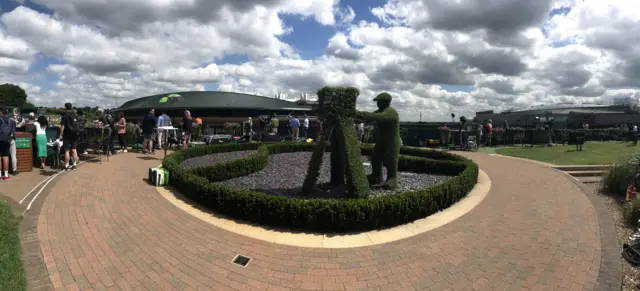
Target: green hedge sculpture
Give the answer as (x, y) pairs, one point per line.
(387, 141)
(338, 107)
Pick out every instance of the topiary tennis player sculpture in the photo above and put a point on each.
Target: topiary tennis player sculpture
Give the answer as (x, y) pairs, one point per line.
(338, 109)
(387, 138)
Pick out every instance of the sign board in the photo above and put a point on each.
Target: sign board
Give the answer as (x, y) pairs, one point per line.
(23, 143)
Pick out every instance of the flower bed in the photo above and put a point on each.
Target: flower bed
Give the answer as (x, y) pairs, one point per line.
(333, 215)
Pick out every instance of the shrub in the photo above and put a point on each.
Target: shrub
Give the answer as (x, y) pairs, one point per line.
(335, 215)
(631, 213)
(621, 174)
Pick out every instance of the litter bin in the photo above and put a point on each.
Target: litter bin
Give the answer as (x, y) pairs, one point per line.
(24, 152)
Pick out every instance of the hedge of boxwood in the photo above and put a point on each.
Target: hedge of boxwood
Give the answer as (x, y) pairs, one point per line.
(331, 215)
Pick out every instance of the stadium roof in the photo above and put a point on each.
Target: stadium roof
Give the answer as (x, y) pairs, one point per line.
(559, 106)
(212, 100)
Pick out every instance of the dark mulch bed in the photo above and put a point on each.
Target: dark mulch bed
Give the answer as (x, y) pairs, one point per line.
(286, 172)
(214, 159)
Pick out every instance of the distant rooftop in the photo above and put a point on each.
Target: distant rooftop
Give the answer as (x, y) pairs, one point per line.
(559, 106)
(214, 100)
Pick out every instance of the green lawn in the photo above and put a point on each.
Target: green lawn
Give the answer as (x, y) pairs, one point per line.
(12, 275)
(594, 153)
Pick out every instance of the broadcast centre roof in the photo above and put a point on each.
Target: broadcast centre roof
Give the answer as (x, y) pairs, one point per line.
(212, 100)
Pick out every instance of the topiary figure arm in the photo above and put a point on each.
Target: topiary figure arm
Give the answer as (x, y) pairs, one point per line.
(378, 116)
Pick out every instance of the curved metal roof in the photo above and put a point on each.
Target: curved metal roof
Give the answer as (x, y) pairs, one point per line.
(560, 106)
(212, 100)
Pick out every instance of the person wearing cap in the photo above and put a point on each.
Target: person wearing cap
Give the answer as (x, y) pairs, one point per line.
(386, 150)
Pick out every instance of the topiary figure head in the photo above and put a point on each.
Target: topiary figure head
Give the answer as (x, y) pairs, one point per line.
(337, 102)
(383, 100)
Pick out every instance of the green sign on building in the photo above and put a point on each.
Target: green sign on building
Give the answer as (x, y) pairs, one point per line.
(23, 143)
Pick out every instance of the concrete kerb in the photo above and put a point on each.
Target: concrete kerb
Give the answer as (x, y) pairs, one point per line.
(315, 240)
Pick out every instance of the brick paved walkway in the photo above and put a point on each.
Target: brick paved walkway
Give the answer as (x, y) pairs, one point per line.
(102, 227)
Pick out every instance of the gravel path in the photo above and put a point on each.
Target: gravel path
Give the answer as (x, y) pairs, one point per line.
(286, 172)
(214, 159)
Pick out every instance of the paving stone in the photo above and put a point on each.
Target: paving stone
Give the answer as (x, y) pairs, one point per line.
(536, 226)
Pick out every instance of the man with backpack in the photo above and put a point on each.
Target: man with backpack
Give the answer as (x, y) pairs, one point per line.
(7, 133)
(69, 131)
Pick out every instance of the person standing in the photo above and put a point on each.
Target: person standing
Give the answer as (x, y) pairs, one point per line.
(294, 123)
(489, 127)
(163, 121)
(41, 139)
(12, 145)
(248, 129)
(121, 127)
(109, 132)
(275, 123)
(305, 126)
(148, 123)
(6, 134)
(187, 128)
(360, 131)
(69, 131)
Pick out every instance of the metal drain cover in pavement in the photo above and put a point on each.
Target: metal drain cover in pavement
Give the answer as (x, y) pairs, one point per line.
(241, 261)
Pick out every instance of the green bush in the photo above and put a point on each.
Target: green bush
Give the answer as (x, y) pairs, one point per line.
(12, 275)
(335, 215)
(619, 175)
(631, 213)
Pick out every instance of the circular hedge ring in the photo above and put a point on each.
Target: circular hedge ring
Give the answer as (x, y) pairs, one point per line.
(329, 215)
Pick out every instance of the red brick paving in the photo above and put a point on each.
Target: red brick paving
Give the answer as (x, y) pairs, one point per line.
(103, 228)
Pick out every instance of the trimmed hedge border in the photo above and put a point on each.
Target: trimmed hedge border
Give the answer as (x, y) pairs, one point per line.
(332, 215)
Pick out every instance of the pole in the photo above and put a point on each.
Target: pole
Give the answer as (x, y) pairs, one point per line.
(420, 116)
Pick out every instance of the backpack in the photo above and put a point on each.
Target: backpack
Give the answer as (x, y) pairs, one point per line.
(107, 120)
(5, 129)
(72, 126)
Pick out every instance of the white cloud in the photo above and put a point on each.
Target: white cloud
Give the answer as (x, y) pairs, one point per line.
(507, 59)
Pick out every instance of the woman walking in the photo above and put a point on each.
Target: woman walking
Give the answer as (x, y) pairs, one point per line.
(121, 126)
(41, 139)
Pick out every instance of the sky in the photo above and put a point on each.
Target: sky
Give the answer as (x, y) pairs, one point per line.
(435, 57)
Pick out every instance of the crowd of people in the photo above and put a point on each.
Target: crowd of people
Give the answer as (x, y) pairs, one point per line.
(72, 131)
(9, 126)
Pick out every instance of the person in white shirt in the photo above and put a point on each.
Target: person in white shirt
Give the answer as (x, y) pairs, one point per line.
(305, 126)
(164, 121)
(41, 139)
(360, 127)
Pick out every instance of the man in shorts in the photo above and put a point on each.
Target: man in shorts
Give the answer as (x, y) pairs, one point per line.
(69, 131)
(6, 133)
(149, 122)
